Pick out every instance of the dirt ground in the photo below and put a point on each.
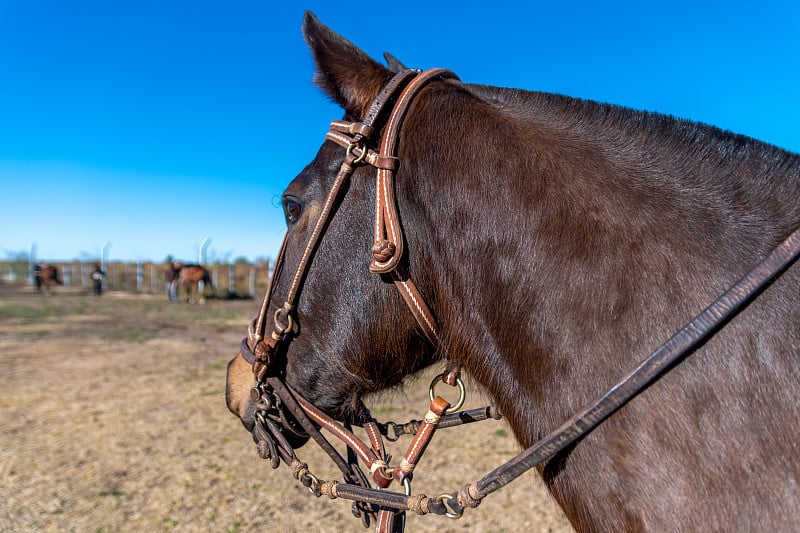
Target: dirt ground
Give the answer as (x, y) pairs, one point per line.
(113, 418)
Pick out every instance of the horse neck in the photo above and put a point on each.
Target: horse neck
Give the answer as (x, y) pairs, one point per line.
(564, 242)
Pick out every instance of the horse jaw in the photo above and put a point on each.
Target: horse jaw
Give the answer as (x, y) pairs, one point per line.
(343, 71)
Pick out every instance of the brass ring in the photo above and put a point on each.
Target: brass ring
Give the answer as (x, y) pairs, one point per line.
(359, 158)
(314, 485)
(289, 322)
(443, 499)
(462, 391)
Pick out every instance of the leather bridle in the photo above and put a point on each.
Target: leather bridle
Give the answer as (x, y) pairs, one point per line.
(282, 410)
(284, 419)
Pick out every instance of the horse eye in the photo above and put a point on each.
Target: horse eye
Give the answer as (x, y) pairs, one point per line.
(292, 210)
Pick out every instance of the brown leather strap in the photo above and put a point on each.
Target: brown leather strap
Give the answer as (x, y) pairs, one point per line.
(376, 439)
(384, 99)
(390, 521)
(375, 464)
(302, 267)
(387, 250)
(353, 128)
(388, 245)
(388, 232)
(416, 304)
(291, 403)
(421, 439)
(683, 342)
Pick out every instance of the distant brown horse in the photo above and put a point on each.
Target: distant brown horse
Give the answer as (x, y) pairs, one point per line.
(190, 278)
(46, 277)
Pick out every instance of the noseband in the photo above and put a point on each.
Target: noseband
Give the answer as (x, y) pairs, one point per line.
(285, 420)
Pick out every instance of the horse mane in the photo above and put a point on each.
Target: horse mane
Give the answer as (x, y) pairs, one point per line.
(653, 129)
(687, 164)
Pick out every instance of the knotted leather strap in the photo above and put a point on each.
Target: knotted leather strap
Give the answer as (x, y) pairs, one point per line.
(388, 245)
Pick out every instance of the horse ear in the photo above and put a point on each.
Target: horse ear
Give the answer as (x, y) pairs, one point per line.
(395, 65)
(343, 71)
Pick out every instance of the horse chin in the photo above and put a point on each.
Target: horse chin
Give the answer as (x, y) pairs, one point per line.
(346, 408)
(354, 412)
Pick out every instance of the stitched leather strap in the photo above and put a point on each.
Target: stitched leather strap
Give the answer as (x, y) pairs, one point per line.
(388, 232)
(682, 343)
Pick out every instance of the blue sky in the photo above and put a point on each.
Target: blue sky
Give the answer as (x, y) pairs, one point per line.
(155, 124)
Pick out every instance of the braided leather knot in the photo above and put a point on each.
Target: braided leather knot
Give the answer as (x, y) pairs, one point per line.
(260, 371)
(261, 365)
(469, 496)
(262, 352)
(383, 250)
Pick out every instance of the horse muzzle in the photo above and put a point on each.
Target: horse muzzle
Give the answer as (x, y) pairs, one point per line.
(239, 381)
(275, 429)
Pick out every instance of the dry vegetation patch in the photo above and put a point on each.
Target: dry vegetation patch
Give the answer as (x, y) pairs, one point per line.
(113, 418)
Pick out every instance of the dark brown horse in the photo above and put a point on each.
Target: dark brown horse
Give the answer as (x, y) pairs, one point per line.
(45, 277)
(558, 242)
(194, 280)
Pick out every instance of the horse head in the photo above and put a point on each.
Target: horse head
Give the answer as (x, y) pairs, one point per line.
(352, 333)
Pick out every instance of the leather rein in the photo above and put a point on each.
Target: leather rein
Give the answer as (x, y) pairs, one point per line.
(285, 419)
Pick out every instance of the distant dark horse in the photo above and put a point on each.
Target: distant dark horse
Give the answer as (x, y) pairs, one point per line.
(557, 242)
(46, 277)
(194, 279)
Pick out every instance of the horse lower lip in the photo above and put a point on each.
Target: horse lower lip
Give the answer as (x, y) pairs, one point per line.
(248, 417)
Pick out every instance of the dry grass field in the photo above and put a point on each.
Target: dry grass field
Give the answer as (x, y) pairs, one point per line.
(113, 418)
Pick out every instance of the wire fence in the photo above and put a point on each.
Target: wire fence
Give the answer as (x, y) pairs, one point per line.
(238, 280)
